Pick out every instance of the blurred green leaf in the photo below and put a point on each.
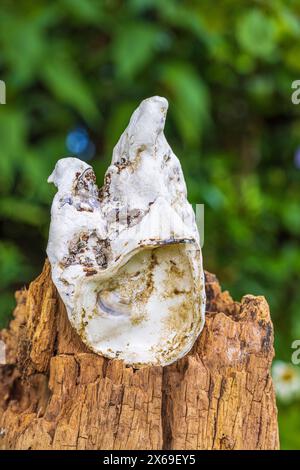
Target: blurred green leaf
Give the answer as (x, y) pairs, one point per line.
(7, 304)
(12, 138)
(22, 211)
(65, 81)
(11, 263)
(291, 217)
(256, 33)
(23, 47)
(289, 426)
(189, 99)
(90, 11)
(134, 47)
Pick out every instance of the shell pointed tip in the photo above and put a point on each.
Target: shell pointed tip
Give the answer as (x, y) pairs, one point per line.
(161, 100)
(50, 179)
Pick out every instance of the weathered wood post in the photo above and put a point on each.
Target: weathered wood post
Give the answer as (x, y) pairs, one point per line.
(56, 394)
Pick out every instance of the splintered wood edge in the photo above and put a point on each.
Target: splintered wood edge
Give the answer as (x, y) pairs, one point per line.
(55, 393)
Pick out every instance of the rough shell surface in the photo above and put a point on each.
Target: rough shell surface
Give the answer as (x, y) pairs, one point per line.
(126, 259)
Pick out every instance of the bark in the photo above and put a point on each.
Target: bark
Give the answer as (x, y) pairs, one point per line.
(56, 394)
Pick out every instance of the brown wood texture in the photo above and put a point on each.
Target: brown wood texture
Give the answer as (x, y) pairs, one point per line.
(56, 394)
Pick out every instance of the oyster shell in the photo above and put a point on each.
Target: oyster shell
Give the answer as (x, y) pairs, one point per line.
(126, 260)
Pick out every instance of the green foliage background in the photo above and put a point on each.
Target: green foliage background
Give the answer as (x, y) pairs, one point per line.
(226, 69)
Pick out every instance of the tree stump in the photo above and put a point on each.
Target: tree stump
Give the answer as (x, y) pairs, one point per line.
(56, 394)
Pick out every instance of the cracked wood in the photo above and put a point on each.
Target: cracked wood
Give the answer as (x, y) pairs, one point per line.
(56, 394)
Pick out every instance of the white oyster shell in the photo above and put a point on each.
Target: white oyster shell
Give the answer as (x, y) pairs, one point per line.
(126, 260)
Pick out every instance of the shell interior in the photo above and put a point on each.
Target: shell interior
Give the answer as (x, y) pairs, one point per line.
(150, 301)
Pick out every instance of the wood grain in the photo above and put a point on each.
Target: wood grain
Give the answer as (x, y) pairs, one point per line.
(56, 394)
